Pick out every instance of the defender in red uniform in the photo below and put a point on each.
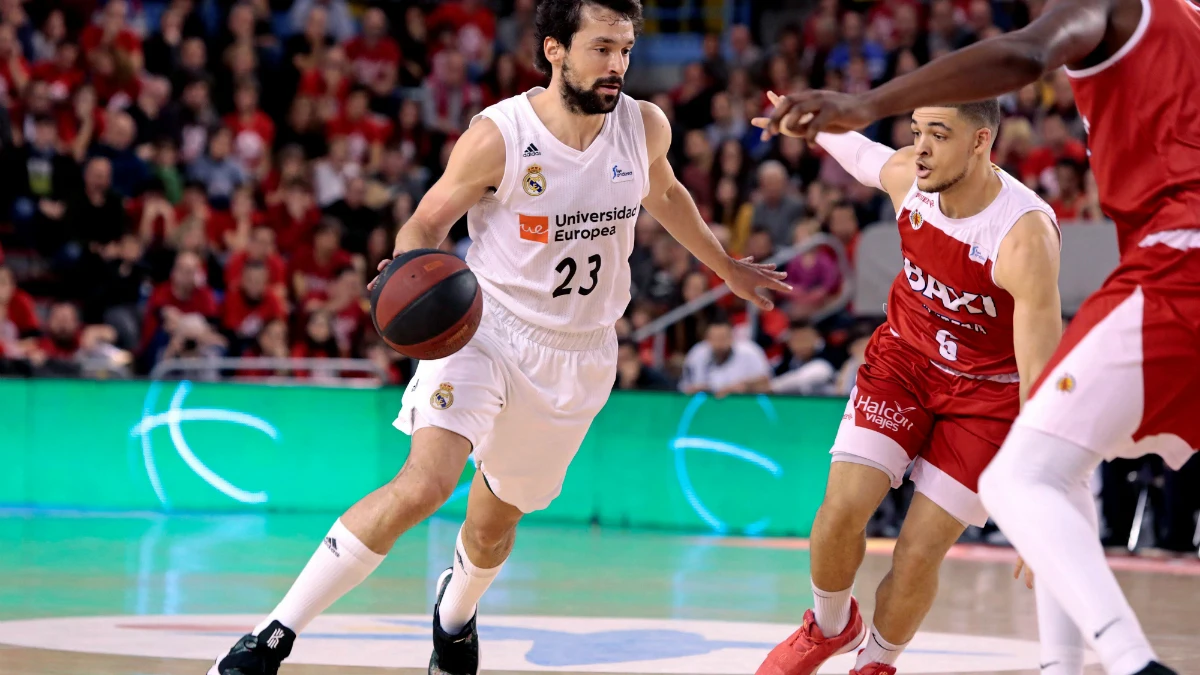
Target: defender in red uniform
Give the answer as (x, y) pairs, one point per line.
(1126, 379)
(972, 318)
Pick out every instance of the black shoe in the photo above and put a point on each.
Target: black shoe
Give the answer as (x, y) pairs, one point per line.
(453, 654)
(257, 654)
(1156, 668)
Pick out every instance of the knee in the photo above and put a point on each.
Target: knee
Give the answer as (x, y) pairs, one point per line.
(842, 514)
(915, 558)
(489, 540)
(428, 489)
(1003, 475)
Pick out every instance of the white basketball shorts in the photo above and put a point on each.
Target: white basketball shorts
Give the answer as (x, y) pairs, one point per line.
(524, 396)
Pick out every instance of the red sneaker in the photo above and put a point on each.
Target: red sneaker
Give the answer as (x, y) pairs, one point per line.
(875, 668)
(807, 648)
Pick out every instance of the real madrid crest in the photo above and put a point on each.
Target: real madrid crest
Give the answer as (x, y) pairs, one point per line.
(916, 219)
(534, 182)
(444, 396)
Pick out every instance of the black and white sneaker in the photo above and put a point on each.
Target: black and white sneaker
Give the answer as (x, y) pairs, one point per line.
(1156, 668)
(453, 654)
(257, 654)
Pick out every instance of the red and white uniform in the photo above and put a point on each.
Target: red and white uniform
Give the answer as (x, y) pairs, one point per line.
(1125, 381)
(939, 381)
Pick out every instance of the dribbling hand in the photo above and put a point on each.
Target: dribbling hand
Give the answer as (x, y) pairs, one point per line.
(747, 278)
(380, 268)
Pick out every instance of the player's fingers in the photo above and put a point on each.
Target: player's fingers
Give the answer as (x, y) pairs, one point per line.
(782, 107)
(1029, 578)
(820, 120)
(773, 97)
(1017, 569)
(760, 122)
(777, 283)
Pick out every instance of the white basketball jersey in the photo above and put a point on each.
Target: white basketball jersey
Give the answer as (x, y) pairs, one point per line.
(552, 243)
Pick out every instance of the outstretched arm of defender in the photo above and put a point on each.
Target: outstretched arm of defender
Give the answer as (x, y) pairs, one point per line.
(870, 163)
(669, 202)
(1066, 32)
(476, 165)
(1027, 267)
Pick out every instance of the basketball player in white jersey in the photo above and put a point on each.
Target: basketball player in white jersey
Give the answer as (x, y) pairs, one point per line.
(552, 181)
(972, 319)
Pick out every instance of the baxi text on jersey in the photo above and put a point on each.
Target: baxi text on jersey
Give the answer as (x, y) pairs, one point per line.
(567, 220)
(930, 287)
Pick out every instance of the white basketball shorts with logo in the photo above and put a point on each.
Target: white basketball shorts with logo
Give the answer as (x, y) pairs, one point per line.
(523, 395)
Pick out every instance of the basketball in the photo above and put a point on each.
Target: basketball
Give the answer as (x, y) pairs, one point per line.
(426, 304)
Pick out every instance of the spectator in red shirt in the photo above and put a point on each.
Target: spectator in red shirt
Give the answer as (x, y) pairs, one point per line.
(14, 70)
(18, 319)
(472, 25)
(185, 292)
(365, 132)
(1056, 144)
(1072, 202)
(294, 218)
(62, 73)
(451, 100)
(317, 343)
(253, 131)
(328, 83)
(374, 56)
(63, 335)
(249, 306)
(111, 31)
(315, 266)
(260, 250)
(345, 302)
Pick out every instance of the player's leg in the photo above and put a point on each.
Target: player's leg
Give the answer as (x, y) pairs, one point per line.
(445, 425)
(1124, 366)
(483, 544)
(839, 538)
(1062, 643)
(906, 594)
(884, 425)
(354, 547)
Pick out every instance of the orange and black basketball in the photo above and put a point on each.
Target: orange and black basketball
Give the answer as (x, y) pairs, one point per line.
(426, 304)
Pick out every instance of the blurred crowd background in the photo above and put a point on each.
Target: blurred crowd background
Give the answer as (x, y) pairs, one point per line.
(209, 178)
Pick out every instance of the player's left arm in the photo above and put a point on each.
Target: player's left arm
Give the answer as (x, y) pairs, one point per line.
(669, 202)
(1027, 267)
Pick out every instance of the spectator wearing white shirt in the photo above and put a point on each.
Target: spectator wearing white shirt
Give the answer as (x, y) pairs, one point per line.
(803, 369)
(723, 365)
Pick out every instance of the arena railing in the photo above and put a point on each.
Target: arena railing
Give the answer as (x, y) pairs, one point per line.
(328, 372)
(657, 328)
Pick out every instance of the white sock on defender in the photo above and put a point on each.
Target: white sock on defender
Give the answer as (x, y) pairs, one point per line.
(1026, 489)
(467, 585)
(340, 563)
(878, 650)
(832, 609)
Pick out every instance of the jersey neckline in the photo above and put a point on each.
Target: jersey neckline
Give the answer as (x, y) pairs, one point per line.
(937, 204)
(572, 152)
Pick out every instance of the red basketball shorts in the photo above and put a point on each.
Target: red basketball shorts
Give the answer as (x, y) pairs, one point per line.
(1125, 380)
(904, 409)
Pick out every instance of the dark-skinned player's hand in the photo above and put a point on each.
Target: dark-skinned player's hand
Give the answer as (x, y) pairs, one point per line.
(805, 113)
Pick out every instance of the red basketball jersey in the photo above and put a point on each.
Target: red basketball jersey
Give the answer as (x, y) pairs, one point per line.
(945, 302)
(1141, 108)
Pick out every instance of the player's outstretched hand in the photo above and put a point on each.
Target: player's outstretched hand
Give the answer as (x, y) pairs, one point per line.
(805, 113)
(1028, 572)
(747, 278)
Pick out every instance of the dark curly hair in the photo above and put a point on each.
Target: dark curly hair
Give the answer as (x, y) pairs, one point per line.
(560, 20)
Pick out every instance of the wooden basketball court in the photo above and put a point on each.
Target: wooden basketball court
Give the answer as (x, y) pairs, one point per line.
(92, 594)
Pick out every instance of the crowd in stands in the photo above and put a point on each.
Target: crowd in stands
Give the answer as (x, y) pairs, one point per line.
(192, 179)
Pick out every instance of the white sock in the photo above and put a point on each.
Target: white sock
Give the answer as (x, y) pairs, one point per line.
(340, 563)
(832, 610)
(1025, 489)
(467, 585)
(878, 650)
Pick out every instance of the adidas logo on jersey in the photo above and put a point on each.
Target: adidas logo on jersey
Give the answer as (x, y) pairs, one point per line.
(531, 151)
